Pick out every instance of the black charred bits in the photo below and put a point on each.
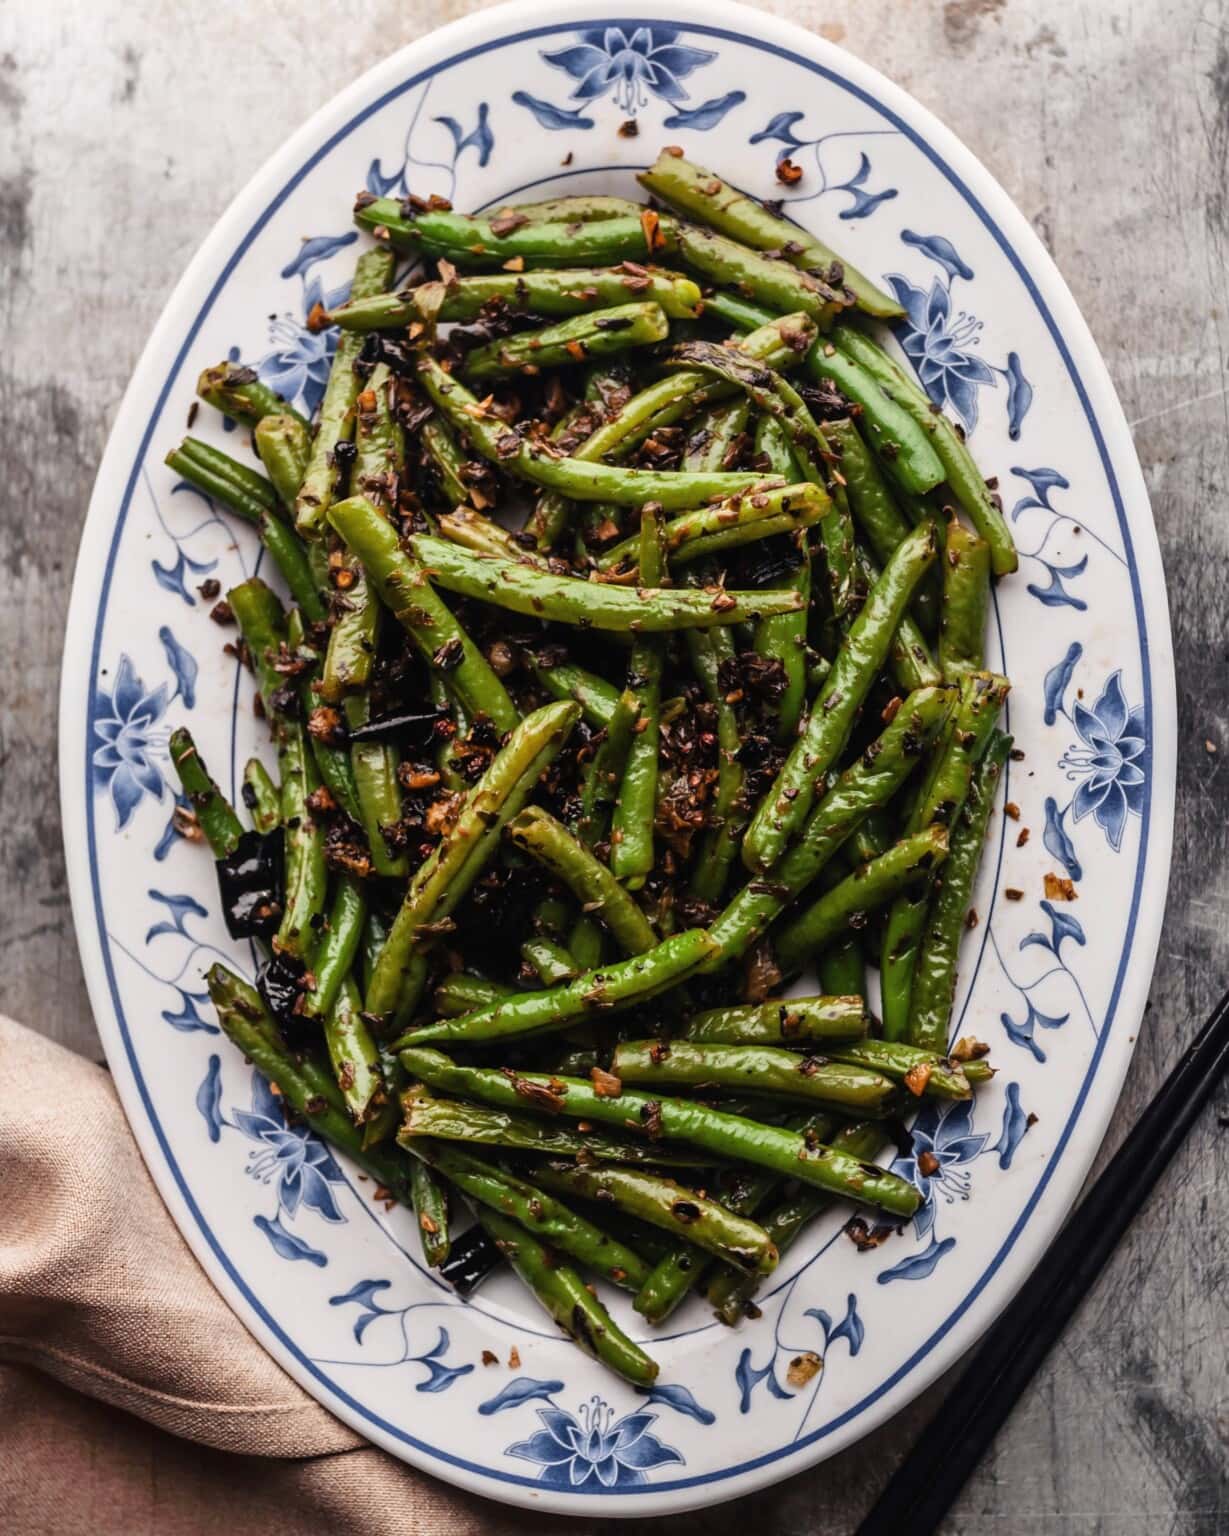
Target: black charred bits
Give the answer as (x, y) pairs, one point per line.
(250, 884)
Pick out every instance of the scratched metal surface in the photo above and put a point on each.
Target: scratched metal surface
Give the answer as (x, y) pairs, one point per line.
(126, 126)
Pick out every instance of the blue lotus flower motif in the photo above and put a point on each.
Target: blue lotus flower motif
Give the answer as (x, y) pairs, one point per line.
(1108, 764)
(938, 347)
(943, 1146)
(594, 1446)
(129, 741)
(649, 59)
(301, 1165)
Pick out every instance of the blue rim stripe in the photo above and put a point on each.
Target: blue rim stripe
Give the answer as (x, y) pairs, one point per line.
(308, 1365)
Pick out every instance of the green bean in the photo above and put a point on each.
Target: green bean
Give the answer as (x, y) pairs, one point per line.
(259, 795)
(564, 1296)
(882, 523)
(405, 589)
(934, 979)
(459, 858)
(308, 1091)
(531, 1207)
(718, 433)
(941, 796)
(443, 450)
(333, 761)
(909, 862)
(576, 477)
(577, 208)
(484, 536)
(631, 838)
(859, 661)
(603, 773)
(740, 314)
(351, 651)
(781, 1021)
(375, 935)
(262, 622)
(621, 985)
(450, 776)
(565, 680)
(236, 391)
(449, 1120)
(784, 638)
(379, 441)
(474, 242)
(721, 1134)
(585, 604)
(214, 814)
(538, 834)
(353, 1053)
(661, 1202)
(910, 660)
(306, 875)
(585, 943)
(759, 1069)
(800, 505)
(337, 947)
(460, 994)
(597, 333)
(550, 961)
(372, 274)
(696, 192)
(709, 650)
(966, 601)
(963, 476)
(284, 444)
(842, 968)
(904, 448)
(253, 498)
(775, 284)
(730, 1290)
(378, 792)
(922, 1071)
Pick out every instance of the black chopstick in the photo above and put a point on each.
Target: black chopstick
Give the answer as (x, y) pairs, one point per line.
(926, 1483)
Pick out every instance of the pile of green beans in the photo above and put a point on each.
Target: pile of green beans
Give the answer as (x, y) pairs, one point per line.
(630, 665)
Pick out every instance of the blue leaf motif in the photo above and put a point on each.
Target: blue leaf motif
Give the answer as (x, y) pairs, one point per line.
(781, 128)
(1015, 1124)
(364, 1293)
(748, 1378)
(1062, 926)
(1058, 842)
(318, 248)
(480, 137)
(380, 185)
(182, 664)
(171, 577)
(187, 1020)
(864, 203)
(708, 114)
(940, 250)
(920, 1265)
(442, 1376)
(1056, 680)
(523, 1389)
(286, 1245)
(170, 833)
(1022, 1033)
(549, 116)
(1042, 481)
(1056, 595)
(209, 1098)
(851, 1328)
(1019, 395)
(673, 1395)
(180, 907)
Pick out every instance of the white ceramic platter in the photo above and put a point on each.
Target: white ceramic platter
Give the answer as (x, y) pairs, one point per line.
(527, 101)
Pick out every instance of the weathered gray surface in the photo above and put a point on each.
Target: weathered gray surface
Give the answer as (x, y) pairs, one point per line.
(126, 126)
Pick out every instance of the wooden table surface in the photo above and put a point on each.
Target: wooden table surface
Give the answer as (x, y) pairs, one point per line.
(125, 128)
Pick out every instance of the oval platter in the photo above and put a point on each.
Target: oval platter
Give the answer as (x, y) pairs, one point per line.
(525, 101)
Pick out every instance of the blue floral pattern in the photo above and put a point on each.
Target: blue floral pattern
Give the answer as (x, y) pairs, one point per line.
(824, 149)
(592, 1444)
(290, 1157)
(941, 340)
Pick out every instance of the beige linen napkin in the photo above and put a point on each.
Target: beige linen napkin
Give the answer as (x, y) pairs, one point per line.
(131, 1398)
